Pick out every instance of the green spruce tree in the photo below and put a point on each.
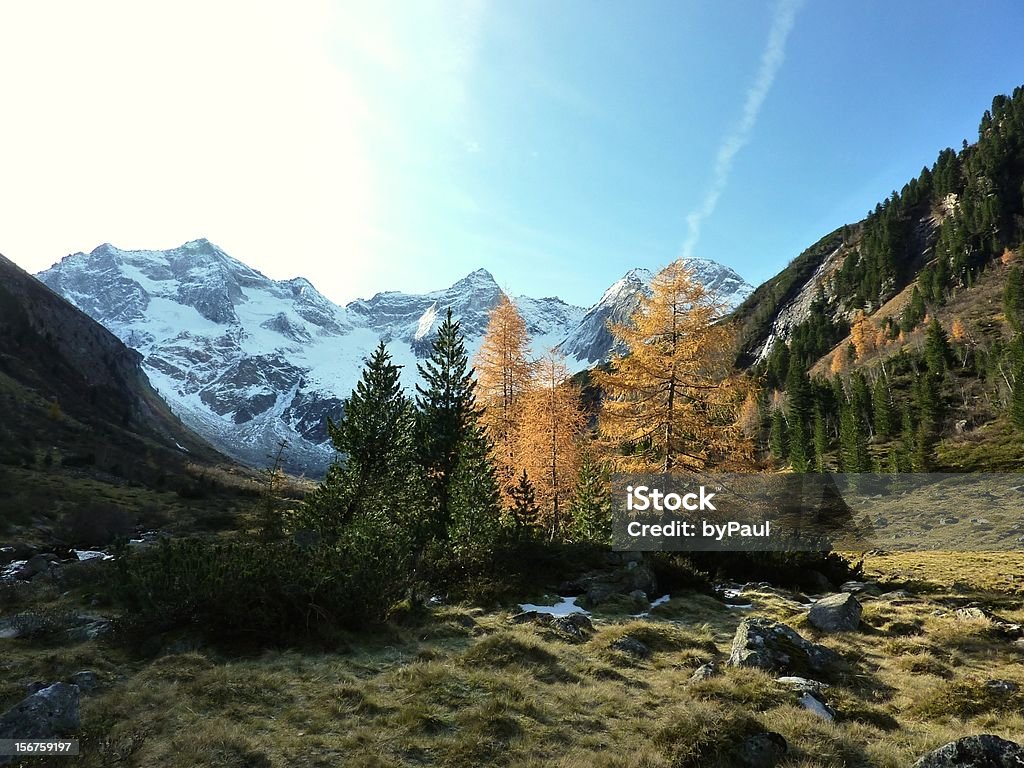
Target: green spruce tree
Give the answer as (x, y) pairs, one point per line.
(820, 439)
(591, 505)
(937, 352)
(798, 391)
(1013, 299)
(777, 435)
(853, 442)
(882, 403)
(377, 470)
(525, 512)
(447, 417)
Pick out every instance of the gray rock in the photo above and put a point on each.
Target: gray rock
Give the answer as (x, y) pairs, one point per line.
(762, 750)
(639, 595)
(53, 711)
(861, 588)
(816, 706)
(35, 565)
(576, 625)
(86, 680)
(984, 751)
(1002, 686)
(632, 646)
(703, 672)
(836, 613)
(1002, 626)
(90, 628)
(772, 646)
(802, 684)
(601, 586)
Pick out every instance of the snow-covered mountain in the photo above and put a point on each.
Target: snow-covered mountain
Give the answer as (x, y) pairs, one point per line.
(246, 361)
(591, 341)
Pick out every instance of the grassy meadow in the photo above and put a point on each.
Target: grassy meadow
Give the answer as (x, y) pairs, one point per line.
(464, 686)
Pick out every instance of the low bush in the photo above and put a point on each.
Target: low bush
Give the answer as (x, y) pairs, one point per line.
(265, 592)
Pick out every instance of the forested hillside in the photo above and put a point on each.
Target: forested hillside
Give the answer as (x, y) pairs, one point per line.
(895, 343)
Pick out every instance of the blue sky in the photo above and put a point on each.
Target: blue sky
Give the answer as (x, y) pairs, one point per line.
(402, 145)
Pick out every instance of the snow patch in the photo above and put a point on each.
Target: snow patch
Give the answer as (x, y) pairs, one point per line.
(564, 607)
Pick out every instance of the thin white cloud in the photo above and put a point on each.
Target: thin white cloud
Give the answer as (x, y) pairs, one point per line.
(771, 60)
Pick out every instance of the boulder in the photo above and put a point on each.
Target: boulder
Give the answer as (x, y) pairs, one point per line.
(802, 684)
(984, 751)
(632, 646)
(772, 646)
(1004, 687)
(762, 750)
(861, 588)
(816, 706)
(603, 586)
(575, 625)
(703, 672)
(1002, 626)
(35, 565)
(836, 613)
(86, 680)
(45, 714)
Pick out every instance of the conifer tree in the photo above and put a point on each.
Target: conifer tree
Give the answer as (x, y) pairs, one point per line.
(798, 390)
(1013, 298)
(936, 349)
(777, 436)
(591, 505)
(474, 507)
(447, 417)
(669, 400)
(525, 513)
(549, 439)
(882, 403)
(860, 401)
(375, 438)
(1017, 402)
(820, 439)
(853, 442)
(503, 375)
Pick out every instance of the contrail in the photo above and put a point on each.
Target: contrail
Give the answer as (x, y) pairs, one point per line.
(771, 60)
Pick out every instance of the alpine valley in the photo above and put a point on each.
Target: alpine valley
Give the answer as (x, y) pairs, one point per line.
(247, 361)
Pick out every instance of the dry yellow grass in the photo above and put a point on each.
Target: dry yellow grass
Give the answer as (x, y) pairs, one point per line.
(470, 688)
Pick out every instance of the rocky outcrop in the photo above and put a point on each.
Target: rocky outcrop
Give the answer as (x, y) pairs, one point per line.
(835, 613)
(774, 647)
(620, 585)
(45, 714)
(984, 751)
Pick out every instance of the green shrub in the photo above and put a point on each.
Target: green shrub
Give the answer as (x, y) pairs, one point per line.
(266, 592)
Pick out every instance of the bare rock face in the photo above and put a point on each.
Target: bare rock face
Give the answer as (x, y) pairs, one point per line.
(836, 613)
(47, 713)
(985, 751)
(774, 647)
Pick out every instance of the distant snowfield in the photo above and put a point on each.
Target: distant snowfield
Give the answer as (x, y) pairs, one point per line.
(247, 361)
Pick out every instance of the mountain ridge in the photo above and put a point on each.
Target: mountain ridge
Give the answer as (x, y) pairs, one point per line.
(247, 361)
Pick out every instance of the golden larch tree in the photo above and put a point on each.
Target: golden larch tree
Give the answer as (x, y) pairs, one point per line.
(863, 335)
(550, 438)
(504, 371)
(670, 402)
